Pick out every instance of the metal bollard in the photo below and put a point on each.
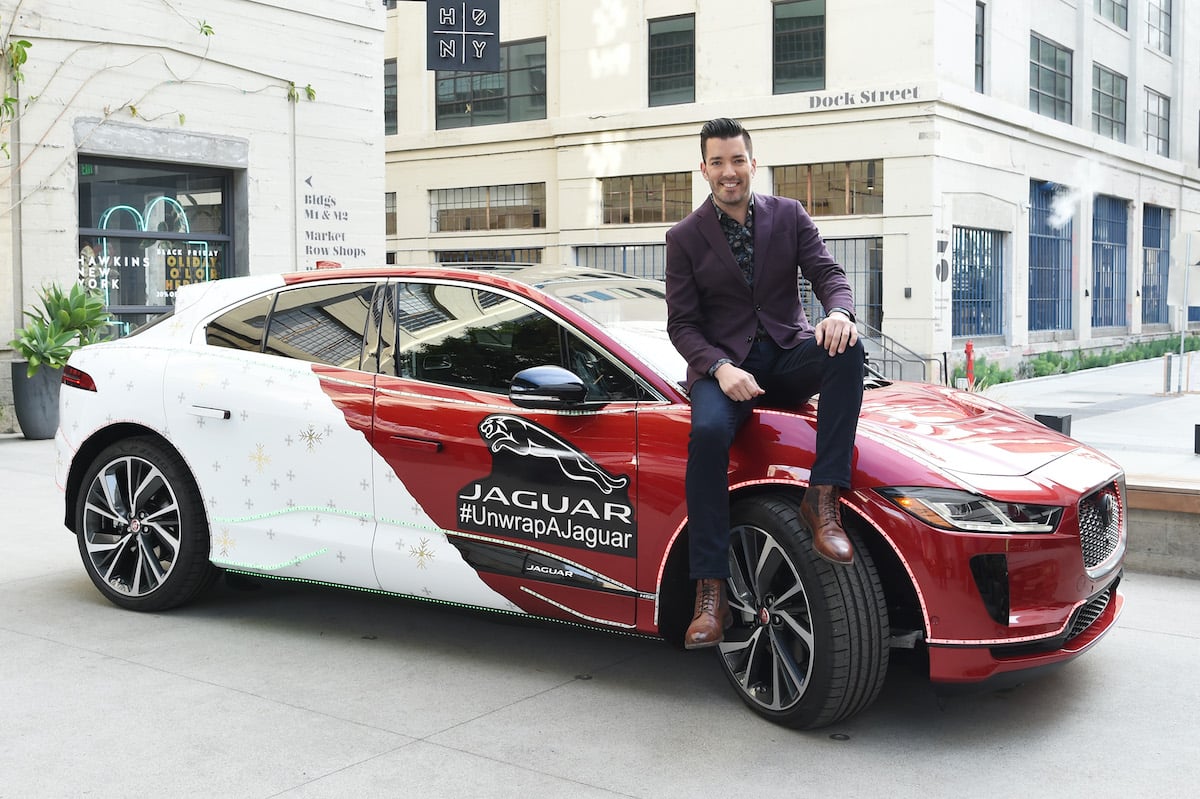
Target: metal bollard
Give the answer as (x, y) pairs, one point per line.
(1061, 423)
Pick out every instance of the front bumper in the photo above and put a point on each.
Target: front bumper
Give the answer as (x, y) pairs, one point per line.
(964, 663)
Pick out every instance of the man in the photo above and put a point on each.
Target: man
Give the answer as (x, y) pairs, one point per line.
(734, 313)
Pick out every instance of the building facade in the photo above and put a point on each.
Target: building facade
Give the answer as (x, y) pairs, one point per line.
(1021, 174)
(149, 144)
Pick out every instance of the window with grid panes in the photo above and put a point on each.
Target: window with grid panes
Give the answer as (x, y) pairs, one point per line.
(839, 188)
(514, 94)
(1110, 237)
(528, 255)
(635, 199)
(507, 207)
(1158, 25)
(1049, 79)
(1158, 123)
(672, 60)
(979, 18)
(798, 36)
(1050, 229)
(977, 282)
(1115, 11)
(390, 115)
(1108, 103)
(1156, 262)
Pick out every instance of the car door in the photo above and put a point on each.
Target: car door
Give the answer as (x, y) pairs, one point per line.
(526, 510)
(274, 438)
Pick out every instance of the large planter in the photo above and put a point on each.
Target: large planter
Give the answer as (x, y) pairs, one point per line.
(35, 400)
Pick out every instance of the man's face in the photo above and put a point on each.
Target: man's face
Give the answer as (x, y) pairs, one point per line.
(728, 168)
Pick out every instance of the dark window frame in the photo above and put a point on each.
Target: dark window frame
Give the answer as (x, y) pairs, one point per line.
(637, 195)
(391, 114)
(1051, 79)
(977, 282)
(1050, 296)
(478, 97)
(980, 21)
(1110, 257)
(1115, 11)
(859, 184)
(798, 49)
(671, 61)
(1112, 124)
(1158, 25)
(1156, 263)
(1157, 125)
(459, 209)
(389, 213)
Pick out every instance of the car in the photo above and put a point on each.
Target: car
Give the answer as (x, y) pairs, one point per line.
(513, 438)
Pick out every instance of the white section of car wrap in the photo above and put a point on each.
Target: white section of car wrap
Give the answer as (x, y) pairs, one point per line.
(288, 484)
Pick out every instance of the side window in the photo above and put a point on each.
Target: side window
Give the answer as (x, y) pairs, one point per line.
(478, 339)
(459, 336)
(243, 327)
(605, 381)
(321, 323)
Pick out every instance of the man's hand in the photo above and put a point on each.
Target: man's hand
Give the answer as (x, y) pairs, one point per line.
(738, 384)
(834, 333)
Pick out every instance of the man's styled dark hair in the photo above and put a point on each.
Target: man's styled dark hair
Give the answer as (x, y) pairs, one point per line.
(723, 128)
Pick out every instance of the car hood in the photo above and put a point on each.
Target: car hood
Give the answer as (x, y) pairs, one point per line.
(959, 432)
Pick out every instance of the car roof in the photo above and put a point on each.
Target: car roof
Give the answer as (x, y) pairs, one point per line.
(532, 275)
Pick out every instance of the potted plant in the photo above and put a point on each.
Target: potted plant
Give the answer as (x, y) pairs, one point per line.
(63, 321)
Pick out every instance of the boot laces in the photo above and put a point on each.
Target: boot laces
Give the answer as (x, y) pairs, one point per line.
(827, 509)
(710, 596)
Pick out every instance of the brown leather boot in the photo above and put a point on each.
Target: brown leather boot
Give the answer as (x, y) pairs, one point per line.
(822, 514)
(712, 616)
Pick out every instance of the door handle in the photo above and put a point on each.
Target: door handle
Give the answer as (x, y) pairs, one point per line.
(209, 413)
(419, 444)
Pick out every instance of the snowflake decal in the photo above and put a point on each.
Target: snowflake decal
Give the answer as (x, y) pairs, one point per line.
(224, 543)
(311, 437)
(260, 458)
(423, 553)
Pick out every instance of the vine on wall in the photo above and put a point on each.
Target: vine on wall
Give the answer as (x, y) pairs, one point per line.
(14, 53)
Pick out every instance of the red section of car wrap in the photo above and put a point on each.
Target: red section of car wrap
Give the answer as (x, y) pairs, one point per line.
(436, 439)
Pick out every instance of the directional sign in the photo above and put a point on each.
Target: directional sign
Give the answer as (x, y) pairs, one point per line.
(463, 35)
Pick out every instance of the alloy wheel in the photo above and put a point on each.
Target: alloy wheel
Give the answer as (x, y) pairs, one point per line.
(769, 650)
(131, 526)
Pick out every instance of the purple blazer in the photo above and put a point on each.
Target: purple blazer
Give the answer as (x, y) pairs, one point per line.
(713, 314)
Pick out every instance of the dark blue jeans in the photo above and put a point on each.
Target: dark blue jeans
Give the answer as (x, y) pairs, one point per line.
(789, 378)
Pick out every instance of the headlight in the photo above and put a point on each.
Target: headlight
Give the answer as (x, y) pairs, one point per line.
(949, 509)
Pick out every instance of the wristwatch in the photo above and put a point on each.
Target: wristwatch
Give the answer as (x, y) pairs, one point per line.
(849, 314)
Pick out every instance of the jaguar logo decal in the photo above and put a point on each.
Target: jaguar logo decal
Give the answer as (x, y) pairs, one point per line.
(544, 489)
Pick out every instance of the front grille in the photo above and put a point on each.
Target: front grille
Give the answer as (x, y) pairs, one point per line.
(1101, 520)
(1088, 613)
(1083, 618)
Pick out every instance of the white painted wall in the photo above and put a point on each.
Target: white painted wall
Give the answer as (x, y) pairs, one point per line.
(96, 62)
(220, 100)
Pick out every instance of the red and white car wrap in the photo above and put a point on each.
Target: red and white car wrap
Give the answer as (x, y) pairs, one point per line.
(393, 450)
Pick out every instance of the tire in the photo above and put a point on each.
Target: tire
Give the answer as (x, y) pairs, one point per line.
(810, 640)
(142, 532)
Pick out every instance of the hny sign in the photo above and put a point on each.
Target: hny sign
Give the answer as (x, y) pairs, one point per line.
(463, 35)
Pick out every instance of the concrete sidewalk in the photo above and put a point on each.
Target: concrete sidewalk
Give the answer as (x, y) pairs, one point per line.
(299, 691)
(1123, 412)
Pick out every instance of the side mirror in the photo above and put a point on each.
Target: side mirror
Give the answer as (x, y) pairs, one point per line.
(547, 387)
